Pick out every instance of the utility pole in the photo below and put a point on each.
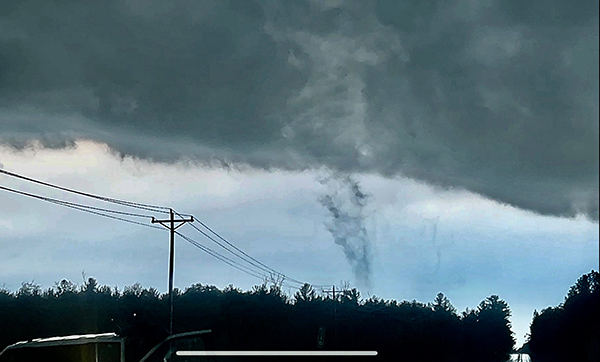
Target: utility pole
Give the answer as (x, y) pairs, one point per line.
(334, 315)
(171, 226)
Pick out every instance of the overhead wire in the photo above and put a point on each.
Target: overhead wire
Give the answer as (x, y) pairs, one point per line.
(96, 211)
(46, 198)
(84, 208)
(247, 258)
(219, 256)
(221, 245)
(257, 265)
(148, 207)
(155, 208)
(244, 253)
(227, 260)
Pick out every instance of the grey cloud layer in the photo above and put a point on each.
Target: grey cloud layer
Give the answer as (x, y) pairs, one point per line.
(499, 98)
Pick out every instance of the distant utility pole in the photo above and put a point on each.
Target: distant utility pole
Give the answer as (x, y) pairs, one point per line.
(170, 224)
(334, 315)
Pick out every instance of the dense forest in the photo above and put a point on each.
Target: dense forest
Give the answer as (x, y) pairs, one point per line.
(570, 331)
(264, 318)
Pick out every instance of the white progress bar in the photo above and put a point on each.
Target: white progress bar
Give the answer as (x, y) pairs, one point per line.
(276, 353)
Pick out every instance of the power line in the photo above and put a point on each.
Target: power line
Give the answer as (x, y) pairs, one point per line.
(102, 212)
(241, 251)
(81, 207)
(76, 204)
(154, 208)
(257, 265)
(148, 207)
(220, 257)
(253, 261)
(86, 208)
(227, 260)
(111, 217)
(226, 248)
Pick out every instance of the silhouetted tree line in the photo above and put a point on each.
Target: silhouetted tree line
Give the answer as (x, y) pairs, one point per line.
(264, 318)
(570, 331)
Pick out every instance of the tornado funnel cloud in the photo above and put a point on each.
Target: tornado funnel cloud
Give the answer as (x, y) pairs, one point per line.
(346, 202)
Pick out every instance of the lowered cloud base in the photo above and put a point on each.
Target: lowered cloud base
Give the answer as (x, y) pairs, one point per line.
(495, 97)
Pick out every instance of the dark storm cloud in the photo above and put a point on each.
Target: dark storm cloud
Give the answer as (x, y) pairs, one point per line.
(497, 97)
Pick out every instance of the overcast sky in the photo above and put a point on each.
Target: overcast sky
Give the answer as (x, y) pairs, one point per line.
(409, 147)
